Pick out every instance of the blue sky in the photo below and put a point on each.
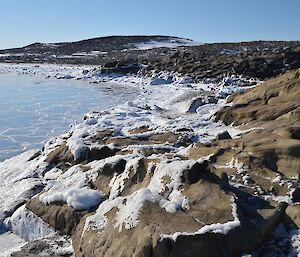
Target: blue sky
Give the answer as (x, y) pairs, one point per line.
(26, 21)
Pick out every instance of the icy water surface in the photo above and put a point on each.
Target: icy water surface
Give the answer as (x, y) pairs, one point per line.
(34, 109)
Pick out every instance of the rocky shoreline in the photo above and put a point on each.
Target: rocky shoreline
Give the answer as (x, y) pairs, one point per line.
(143, 55)
(182, 171)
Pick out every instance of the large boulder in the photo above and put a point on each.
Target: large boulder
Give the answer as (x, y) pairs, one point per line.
(212, 221)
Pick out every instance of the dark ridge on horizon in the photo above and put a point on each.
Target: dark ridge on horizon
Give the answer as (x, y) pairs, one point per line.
(132, 54)
(141, 37)
(104, 38)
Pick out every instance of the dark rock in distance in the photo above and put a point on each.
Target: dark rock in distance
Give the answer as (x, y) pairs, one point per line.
(224, 135)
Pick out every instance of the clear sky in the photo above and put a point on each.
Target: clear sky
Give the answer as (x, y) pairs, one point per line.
(27, 21)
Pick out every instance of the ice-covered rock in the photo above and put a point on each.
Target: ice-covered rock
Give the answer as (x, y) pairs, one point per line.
(146, 178)
(20, 180)
(177, 209)
(27, 225)
(72, 188)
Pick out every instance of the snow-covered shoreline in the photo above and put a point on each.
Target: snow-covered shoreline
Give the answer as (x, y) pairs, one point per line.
(168, 103)
(93, 74)
(170, 93)
(170, 117)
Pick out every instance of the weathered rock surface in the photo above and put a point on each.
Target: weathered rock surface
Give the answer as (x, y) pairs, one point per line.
(206, 201)
(272, 112)
(165, 196)
(60, 216)
(209, 204)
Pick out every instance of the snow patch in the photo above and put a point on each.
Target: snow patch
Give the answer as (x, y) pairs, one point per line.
(212, 228)
(164, 192)
(10, 243)
(72, 188)
(170, 43)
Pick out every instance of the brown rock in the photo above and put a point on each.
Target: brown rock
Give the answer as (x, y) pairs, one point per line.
(60, 216)
(61, 157)
(208, 204)
(293, 212)
(274, 108)
(139, 130)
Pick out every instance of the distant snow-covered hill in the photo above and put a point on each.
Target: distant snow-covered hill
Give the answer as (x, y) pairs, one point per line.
(104, 44)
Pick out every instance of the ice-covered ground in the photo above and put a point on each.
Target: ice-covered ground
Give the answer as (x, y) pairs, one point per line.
(165, 102)
(9, 243)
(22, 178)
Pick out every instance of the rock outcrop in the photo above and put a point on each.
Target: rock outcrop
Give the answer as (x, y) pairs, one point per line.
(206, 228)
(272, 113)
(151, 191)
(122, 55)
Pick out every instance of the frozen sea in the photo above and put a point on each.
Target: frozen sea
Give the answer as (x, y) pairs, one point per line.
(34, 109)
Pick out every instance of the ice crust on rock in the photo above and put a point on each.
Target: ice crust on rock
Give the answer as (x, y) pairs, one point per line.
(166, 193)
(221, 228)
(164, 106)
(72, 188)
(27, 225)
(155, 110)
(20, 179)
(10, 243)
